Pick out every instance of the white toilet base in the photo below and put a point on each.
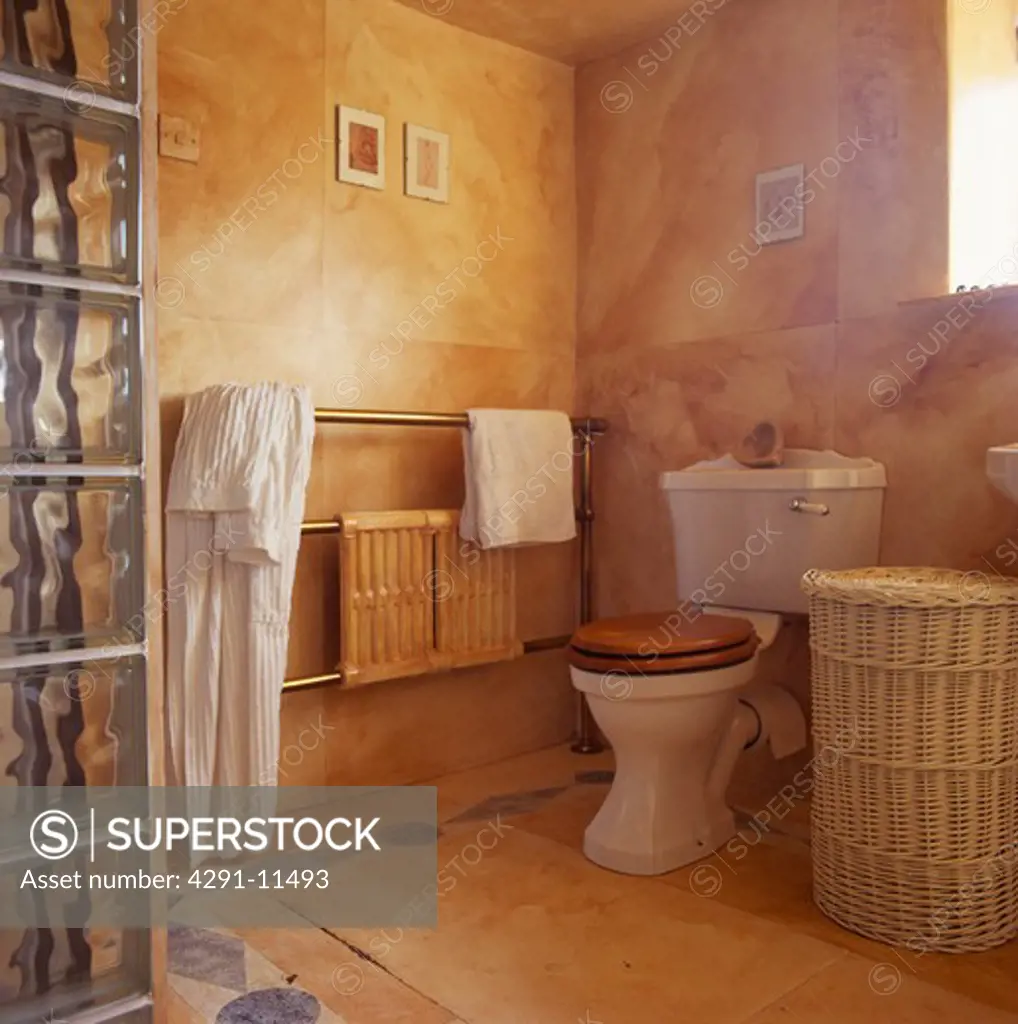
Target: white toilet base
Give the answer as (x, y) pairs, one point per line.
(597, 848)
(676, 741)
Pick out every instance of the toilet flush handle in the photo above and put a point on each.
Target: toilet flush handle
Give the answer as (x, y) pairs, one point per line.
(812, 508)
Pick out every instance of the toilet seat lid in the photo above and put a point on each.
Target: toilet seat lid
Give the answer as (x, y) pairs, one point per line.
(664, 643)
(660, 635)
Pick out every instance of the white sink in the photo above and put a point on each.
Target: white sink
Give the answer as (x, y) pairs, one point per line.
(1002, 469)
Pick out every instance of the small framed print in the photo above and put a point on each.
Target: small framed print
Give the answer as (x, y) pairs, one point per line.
(360, 151)
(780, 210)
(427, 163)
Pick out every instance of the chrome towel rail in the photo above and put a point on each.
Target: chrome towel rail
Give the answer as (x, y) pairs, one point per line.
(586, 429)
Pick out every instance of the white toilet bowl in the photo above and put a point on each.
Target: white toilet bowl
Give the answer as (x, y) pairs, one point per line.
(676, 732)
(674, 754)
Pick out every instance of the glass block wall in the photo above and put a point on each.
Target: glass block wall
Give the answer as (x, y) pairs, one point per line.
(72, 456)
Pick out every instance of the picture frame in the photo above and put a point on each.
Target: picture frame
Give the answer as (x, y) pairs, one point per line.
(426, 163)
(780, 209)
(360, 147)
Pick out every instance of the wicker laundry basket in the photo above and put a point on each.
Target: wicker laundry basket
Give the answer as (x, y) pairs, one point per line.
(915, 730)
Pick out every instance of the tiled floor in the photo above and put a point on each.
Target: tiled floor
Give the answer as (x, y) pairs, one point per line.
(532, 933)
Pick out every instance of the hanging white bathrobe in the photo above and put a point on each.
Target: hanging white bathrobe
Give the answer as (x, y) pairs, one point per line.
(233, 513)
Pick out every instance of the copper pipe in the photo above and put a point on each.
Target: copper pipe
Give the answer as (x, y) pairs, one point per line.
(588, 741)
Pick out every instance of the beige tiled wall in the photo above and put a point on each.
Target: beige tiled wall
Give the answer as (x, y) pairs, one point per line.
(273, 270)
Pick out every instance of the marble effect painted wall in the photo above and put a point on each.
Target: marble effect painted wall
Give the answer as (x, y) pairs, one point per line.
(270, 269)
(683, 345)
(689, 333)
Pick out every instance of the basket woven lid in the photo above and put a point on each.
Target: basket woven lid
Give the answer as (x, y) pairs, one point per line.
(916, 586)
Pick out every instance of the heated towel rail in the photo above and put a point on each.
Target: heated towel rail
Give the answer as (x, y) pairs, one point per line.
(586, 429)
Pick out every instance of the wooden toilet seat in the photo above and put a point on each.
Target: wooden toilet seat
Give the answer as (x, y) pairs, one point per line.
(662, 643)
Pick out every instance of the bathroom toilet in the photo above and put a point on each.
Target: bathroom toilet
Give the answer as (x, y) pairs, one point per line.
(674, 691)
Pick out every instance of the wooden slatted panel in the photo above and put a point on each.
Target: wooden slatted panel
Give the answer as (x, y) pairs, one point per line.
(414, 598)
(386, 607)
(475, 600)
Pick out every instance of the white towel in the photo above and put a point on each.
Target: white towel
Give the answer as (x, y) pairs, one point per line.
(519, 478)
(234, 506)
(245, 449)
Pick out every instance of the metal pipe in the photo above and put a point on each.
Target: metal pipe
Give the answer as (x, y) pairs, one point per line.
(306, 682)
(586, 518)
(588, 741)
(377, 417)
(395, 419)
(317, 526)
(551, 643)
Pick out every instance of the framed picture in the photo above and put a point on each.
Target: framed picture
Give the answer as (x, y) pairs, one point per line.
(780, 210)
(360, 151)
(427, 163)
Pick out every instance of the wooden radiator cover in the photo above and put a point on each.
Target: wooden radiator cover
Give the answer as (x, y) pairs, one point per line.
(414, 598)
